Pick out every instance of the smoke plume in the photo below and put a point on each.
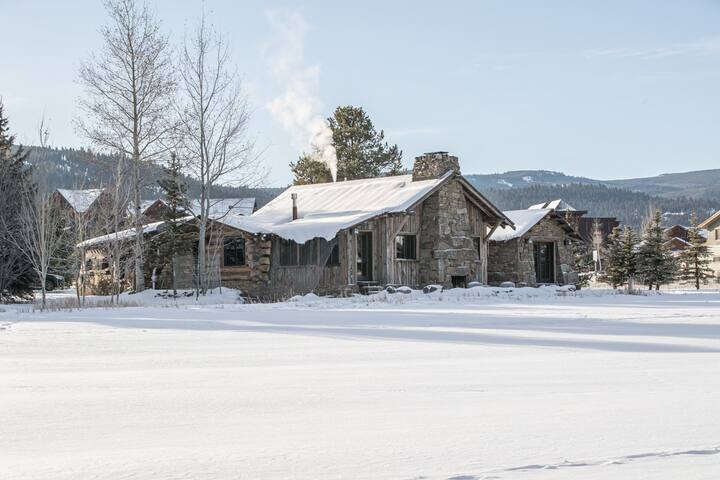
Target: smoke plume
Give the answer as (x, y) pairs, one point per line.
(299, 108)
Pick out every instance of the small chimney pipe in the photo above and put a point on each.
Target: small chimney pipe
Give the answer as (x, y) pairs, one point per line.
(295, 209)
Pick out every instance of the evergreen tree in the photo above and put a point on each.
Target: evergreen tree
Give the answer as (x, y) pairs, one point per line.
(172, 242)
(16, 276)
(362, 152)
(695, 259)
(621, 262)
(308, 170)
(584, 264)
(656, 265)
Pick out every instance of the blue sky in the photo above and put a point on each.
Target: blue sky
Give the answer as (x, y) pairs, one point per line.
(610, 89)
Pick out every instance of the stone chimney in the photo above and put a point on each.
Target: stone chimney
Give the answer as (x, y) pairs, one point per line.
(434, 165)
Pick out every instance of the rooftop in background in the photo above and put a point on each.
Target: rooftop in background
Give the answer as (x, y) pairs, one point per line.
(559, 205)
(80, 200)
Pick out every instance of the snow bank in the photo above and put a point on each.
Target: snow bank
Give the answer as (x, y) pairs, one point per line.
(408, 296)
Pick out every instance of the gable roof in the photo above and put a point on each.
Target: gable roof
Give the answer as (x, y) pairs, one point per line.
(327, 208)
(81, 200)
(715, 217)
(524, 220)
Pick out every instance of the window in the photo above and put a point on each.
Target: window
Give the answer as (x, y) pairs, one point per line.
(104, 264)
(234, 251)
(307, 253)
(717, 234)
(88, 265)
(330, 252)
(288, 253)
(406, 247)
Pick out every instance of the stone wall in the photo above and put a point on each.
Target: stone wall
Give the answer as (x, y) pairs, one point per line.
(446, 245)
(514, 260)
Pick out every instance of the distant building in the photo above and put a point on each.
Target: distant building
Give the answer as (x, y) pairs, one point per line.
(712, 225)
(80, 202)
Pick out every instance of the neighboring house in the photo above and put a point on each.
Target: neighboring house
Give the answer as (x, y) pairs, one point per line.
(593, 230)
(80, 202)
(712, 225)
(677, 238)
(538, 251)
(154, 210)
(431, 227)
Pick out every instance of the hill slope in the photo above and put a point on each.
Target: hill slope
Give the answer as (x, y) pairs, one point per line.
(699, 184)
(80, 169)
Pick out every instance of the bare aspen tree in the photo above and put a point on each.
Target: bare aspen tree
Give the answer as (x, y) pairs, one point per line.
(42, 222)
(129, 86)
(213, 126)
(42, 228)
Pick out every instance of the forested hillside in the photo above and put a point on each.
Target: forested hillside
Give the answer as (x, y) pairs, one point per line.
(629, 207)
(80, 169)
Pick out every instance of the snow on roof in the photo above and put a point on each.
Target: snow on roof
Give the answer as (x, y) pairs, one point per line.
(559, 204)
(524, 220)
(710, 220)
(218, 207)
(80, 200)
(327, 208)
(126, 234)
(223, 206)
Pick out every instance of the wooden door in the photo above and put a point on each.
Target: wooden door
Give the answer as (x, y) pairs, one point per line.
(364, 256)
(544, 262)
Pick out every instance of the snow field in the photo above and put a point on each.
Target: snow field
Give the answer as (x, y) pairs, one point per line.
(440, 386)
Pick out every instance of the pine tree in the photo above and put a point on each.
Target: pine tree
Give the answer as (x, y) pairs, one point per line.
(172, 243)
(621, 263)
(362, 152)
(16, 276)
(656, 265)
(584, 264)
(308, 170)
(695, 259)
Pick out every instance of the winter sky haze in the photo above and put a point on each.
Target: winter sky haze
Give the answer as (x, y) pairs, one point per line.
(610, 89)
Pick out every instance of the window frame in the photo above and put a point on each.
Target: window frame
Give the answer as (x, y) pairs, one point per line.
(228, 241)
(401, 250)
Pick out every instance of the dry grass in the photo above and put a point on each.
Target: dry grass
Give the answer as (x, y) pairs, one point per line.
(70, 304)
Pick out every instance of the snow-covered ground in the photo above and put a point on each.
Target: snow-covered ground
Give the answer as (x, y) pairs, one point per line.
(445, 386)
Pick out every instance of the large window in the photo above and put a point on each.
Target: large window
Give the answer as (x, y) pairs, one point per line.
(288, 253)
(234, 251)
(329, 252)
(717, 234)
(406, 247)
(314, 252)
(307, 253)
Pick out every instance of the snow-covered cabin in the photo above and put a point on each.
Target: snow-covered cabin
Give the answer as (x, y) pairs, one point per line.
(538, 251)
(428, 227)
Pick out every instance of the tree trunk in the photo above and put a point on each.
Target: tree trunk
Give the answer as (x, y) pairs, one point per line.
(139, 273)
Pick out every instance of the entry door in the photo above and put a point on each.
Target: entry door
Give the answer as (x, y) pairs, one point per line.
(544, 262)
(364, 256)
